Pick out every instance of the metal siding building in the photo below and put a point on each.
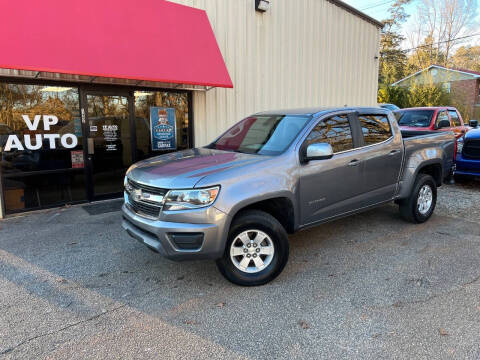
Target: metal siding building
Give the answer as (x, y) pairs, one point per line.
(298, 53)
(128, 74)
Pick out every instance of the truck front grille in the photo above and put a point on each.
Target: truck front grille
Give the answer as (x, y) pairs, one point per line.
(149, 189)
(471, 149)
(142, 208)
(145, 200)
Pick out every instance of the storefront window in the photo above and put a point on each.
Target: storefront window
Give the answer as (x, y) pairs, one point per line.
(109, 132)
(41, 145)
(170, 122)
(43, 161)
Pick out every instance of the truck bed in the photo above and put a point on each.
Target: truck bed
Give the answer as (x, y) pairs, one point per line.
(416, 142)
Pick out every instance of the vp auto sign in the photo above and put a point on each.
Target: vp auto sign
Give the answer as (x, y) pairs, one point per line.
(68, 141)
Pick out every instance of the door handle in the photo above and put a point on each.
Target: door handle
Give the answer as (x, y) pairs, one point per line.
(354, 162)
(393, 152)
(91, 146)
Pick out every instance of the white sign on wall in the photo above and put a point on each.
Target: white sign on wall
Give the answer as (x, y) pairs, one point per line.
(68, 141)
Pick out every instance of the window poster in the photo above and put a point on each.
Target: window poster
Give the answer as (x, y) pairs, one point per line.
(77, 159)
(163, 128)
(111, 137)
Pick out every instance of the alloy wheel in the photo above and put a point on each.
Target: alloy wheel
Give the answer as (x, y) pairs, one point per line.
(425, 199)
(252, 251)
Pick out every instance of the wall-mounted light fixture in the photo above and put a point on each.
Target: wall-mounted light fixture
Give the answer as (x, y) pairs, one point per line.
(262, 5)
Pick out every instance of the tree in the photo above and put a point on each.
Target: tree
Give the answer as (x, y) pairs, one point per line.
(397, 95)
(438, 26)
(427, 95)
(415, 96)
(426, 54)
(392, 58)
(467, 57)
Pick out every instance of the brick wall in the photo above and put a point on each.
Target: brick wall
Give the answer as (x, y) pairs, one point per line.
(465, 96)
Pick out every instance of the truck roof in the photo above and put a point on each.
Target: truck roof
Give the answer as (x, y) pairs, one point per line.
(321, 110)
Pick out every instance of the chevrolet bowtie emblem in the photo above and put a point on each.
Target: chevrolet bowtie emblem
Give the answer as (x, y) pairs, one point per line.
(137, 194)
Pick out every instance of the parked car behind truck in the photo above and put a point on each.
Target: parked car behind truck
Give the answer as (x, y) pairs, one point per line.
(438, 118)
(275, 173)
(468, 153)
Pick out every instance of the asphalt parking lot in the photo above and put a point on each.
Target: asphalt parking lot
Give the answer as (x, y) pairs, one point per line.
(75, 286)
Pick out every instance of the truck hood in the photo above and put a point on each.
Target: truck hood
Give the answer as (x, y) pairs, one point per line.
(473, 134)
(184, 169)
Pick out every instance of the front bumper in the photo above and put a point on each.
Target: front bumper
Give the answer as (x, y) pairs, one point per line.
(185, 240)
(467, 166)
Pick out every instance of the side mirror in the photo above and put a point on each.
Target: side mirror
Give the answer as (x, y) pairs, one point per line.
(443, 124)
(473, 123)
(319, 151)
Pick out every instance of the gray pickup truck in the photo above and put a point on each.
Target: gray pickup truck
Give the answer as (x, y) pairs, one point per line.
(275, 173)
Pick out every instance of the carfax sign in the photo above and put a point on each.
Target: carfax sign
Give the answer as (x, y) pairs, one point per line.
(163, 128)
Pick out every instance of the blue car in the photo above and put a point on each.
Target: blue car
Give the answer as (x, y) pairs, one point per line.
(468, 153)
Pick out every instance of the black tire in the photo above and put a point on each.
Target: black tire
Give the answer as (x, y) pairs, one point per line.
(409, 207)
(266, 223)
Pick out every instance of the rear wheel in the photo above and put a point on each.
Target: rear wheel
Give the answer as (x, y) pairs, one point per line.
(256, 251)
(419, 206)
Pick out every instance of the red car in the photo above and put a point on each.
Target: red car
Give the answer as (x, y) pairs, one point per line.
(440, 118)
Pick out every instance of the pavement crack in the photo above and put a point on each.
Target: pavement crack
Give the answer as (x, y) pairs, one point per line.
(23, 342)
(472, 281)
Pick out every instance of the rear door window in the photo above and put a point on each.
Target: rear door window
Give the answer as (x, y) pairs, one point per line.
(334, 130)
(375, 128)
(455, 119)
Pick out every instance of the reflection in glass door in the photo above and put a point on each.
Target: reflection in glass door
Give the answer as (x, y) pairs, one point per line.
(109, 142)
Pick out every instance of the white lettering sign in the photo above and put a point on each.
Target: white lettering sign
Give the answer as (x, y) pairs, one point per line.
(49, 120)
(73, 141)
(38, 142)
(13, 143)
(36, 121)
(68, 141)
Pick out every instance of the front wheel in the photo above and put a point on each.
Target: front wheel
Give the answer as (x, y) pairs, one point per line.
(419, 206)
(256, 251)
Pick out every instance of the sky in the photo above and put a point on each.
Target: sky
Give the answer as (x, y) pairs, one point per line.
(378, 9)
(375, 8)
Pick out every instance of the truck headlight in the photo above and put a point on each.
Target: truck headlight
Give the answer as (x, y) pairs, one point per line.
(128, 188)
(190, 199)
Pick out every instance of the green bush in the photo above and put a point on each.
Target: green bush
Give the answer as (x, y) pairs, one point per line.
(416, 96)
(393, 95)
(427, 95)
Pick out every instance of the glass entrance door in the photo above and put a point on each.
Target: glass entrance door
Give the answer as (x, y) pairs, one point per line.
(109, 142)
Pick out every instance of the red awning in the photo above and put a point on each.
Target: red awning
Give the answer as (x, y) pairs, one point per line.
(149, 40)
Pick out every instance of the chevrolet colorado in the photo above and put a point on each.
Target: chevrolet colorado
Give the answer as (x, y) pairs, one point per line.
(275, 173)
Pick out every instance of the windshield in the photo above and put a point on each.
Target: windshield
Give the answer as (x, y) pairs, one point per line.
(414, 118)
(263, 134)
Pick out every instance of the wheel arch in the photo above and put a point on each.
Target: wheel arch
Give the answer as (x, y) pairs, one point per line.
(280, 206)
(432, 167)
